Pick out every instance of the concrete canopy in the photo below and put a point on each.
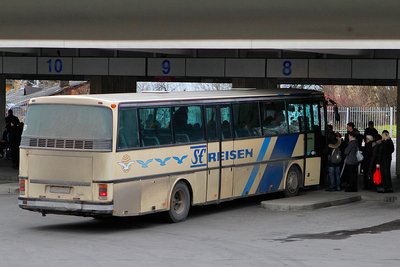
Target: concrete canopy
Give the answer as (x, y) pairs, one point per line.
(256, 24)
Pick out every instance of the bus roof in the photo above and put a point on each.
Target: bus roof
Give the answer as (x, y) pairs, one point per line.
(161, 96)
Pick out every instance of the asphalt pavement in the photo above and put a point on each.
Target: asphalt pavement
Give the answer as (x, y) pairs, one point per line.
(8, 177)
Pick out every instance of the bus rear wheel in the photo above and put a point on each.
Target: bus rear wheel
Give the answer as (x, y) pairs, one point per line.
(293, 181)
(179, 203)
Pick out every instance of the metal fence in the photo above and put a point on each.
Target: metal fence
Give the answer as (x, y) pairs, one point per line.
(384, 118)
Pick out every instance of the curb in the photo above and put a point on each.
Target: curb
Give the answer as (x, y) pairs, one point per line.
(289, 205)
(11, 189)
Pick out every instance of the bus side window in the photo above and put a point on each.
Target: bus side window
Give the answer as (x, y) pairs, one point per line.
(225, 114)
(211, 122)
(127, 129)
(316, 122)
(312, 120)
(195, 123)
(155, 126)
(188, 124)
(246, 120)
(274, 118)
(296, 118)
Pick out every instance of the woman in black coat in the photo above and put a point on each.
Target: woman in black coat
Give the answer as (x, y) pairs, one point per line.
(375, 157)
(351, 163)
(366, 163)
(384, 163)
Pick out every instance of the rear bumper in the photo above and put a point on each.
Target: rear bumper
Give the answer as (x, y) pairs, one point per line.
(79, 208)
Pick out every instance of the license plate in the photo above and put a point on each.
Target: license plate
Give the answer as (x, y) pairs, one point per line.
(60, 189)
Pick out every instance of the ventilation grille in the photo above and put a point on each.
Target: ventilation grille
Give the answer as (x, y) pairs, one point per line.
(70, 144)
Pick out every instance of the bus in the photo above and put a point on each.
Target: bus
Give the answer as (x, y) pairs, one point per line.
(140, 153)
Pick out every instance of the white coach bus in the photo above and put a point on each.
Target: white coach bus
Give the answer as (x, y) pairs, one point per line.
(133, 154)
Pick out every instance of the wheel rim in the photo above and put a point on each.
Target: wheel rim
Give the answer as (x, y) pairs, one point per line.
(292, 182)
(178, 202)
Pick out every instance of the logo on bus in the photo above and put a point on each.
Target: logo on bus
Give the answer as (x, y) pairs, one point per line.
(200, 157)
(126, 163)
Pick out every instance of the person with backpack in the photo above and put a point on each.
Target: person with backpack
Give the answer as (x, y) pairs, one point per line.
(334, 162)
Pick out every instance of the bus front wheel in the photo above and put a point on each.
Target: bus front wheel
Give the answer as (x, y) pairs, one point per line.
(293, 181)
(179, 203)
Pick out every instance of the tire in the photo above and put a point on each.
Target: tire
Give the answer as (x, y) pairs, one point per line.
(293, 182)
(179, 204)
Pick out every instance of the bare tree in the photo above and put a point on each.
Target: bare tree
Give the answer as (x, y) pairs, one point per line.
(362, 96)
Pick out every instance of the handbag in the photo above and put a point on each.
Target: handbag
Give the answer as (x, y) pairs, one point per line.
(377, 178)
(359, 156)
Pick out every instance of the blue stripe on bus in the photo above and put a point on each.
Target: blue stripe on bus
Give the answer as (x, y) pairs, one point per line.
(256, 167)
(284, 146)
(274, 171)
(271, 178)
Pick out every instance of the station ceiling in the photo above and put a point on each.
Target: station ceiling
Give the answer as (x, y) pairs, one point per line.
(209, 28)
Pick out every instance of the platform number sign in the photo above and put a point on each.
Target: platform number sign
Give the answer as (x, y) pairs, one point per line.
(287, 68)
(166, 66)
(55, 65)
(169, 67)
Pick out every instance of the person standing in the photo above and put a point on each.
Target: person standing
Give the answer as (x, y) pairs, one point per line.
(375, 156)
(384, 163)
(351, 163)
(370, 130)
(352, 129)
(11, 119)
(366, 163)
(13, 136)
(334, 162)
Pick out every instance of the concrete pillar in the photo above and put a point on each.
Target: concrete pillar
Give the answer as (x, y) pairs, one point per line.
(398, 132)
(112, 84)
(258, 83)
(2, 102)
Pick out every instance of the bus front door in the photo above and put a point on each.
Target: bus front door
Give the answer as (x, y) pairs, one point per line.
(220, 143)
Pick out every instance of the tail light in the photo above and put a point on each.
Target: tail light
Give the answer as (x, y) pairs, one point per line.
(22, 183)
(103, 191)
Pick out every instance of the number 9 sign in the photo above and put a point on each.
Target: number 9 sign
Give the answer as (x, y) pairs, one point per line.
(166, 67)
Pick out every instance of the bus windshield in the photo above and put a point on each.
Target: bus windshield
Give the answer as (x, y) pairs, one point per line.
(68, 121)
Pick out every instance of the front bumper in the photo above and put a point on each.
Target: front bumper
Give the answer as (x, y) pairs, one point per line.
(79, 208)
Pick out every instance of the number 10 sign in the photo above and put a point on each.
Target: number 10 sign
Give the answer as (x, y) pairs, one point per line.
(54, 65)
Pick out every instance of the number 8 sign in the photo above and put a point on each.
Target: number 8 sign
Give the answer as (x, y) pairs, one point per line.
(287, 68)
